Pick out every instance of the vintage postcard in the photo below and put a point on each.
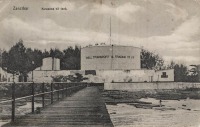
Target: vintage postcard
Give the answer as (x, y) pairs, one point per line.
(100, 63)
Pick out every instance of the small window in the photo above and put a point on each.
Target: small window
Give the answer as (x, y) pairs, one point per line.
(164, 75)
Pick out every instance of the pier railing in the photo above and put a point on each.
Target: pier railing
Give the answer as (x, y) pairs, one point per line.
(54, 91)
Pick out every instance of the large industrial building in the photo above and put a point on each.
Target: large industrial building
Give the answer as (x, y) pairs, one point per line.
(115, 63)
(110, 57)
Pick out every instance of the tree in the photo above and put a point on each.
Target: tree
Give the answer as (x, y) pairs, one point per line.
(77, 53)
(34, 58)
(17, 59)
(71, 59)
(180, 72)
(56, 53)
(194, 74)
(150, 60)
(171, 65)
(45, 54)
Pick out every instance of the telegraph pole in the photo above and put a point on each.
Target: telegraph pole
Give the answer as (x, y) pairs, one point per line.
(110, 30)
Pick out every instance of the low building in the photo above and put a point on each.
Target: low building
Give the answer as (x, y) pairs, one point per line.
(8, 77)
(133, 76)
(164, 75)
(3, 75)
(106, 76)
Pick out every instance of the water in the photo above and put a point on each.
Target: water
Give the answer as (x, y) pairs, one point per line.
(186, 114)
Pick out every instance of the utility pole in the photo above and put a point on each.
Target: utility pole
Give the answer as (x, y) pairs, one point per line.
(32, 69)
(1, 72)
(112, 59)
(110, 30)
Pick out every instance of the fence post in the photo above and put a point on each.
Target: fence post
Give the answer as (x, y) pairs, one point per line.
(62, 91)
(58, 90)
(13, 102)
(70, 90)
(33, 97)
(66, 92)
(43, 95)
(51, 93)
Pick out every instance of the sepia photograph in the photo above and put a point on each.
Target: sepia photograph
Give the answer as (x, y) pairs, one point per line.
(99, 63)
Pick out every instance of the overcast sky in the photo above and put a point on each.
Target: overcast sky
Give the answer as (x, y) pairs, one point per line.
(170, 28)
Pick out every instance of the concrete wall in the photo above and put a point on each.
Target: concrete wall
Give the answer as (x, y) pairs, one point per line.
(56, 64)
(110, 58)
(47, 64)
(46, 76)
(125, 75)
(106, 76)
(149, 86)
(50, 63)
(135, 75)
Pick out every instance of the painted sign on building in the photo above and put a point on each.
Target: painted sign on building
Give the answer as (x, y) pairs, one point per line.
(110, 57)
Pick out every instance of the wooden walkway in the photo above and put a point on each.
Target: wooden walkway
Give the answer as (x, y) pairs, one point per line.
(85, 108)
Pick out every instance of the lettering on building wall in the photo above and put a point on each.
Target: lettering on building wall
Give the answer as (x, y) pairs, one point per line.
(107, 56)
(101, 56)
(88, 57)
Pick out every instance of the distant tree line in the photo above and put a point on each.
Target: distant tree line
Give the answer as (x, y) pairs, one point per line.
(182, 73)
(150, 60)
(21, 60)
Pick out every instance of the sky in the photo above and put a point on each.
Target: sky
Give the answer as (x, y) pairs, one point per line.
(170, 28)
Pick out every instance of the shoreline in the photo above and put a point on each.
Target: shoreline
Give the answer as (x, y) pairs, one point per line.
(117, 96)
(142, 108)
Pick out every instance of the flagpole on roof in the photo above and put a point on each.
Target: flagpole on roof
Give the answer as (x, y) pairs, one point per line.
(110, 30)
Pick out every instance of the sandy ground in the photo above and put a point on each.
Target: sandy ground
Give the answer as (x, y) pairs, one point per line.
(2, 122)
(185, 113)
(22, 110)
